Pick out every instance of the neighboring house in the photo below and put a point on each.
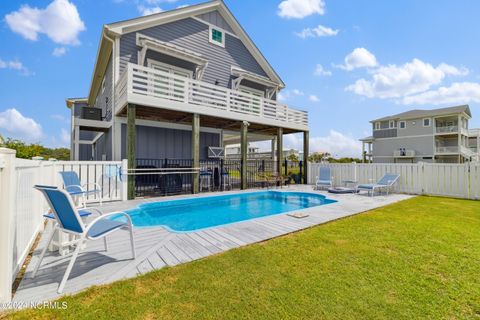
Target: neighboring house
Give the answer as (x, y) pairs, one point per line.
(173, 84)
(439, 135)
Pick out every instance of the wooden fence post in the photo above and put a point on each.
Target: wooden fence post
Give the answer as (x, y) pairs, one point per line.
(7, 211)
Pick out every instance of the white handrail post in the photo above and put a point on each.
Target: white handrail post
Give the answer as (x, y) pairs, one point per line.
(124, 181)
(7, 221)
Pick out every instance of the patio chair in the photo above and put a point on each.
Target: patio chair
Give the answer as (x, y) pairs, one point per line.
(385, 183)
(325, 180)
(68, 219)
(76, 189)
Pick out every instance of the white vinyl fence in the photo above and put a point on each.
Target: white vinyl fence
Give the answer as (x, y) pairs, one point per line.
(451, 180)
(22, 207)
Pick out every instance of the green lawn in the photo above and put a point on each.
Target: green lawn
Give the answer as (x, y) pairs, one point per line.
(416, 258)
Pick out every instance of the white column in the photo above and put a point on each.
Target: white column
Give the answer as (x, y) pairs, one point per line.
(7, 212)
(116, 140)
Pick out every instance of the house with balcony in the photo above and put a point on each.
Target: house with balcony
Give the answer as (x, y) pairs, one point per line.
(177, 84)
(438, 135)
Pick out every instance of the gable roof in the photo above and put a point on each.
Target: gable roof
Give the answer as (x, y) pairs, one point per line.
(122, 27)
(413, 114)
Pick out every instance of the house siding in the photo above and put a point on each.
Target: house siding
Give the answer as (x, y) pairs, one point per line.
(216, 19)
(194, 35)
(160, 143)
(383, 149)
(415, 127)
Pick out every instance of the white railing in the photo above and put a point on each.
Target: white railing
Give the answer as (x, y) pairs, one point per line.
(404, 153)
(447, 129)
(22, 207)
(450, 149)
(450, 180)
(139, 80)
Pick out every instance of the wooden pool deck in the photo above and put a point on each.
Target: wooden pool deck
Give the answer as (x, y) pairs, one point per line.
(157, 247)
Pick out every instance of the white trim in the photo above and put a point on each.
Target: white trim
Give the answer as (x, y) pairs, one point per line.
(151, 62)
(400, 124)
(250, 76)
(210, 36)
(169, 125)
(167, 48)
(390, 126)
(429, 122)
(377, 125)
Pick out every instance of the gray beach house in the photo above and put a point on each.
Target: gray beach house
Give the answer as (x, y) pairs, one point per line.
(180, 84)
(439, 135)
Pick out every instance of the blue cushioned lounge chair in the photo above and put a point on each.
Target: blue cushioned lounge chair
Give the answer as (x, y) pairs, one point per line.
(76, 189)
(385, 183)
(69, 220)
(325, 179)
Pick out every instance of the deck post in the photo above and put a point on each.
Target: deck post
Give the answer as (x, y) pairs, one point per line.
(243, 152)
(306, 151)
(131, 152)
(279, 150)
(196, 151)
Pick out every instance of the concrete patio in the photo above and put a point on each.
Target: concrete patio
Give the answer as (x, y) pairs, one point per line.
(157, 247)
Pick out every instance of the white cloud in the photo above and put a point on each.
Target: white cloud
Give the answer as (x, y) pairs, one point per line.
(183, 6)
(15, 65)
(359, 58)
(287, 94)
(320, 71)
(457, 93)
(298, 92)
(319, 31)
(313, 98)
(60, 51)
(60, 21)
(335, 143)
(145, 11)
(394, 81)
(299, 9)
(17, 126)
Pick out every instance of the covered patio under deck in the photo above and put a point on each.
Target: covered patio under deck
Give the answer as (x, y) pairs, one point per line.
(133, 112)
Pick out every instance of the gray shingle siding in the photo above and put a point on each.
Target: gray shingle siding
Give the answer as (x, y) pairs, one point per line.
(194, 35)
(385, 133)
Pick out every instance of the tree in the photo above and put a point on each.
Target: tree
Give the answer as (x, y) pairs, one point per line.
(27, 151)
(318, 156)
(293, 157)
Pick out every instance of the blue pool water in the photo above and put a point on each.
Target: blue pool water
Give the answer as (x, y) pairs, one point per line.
(199, 213)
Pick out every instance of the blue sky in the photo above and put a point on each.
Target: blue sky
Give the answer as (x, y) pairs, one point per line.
(346, 62)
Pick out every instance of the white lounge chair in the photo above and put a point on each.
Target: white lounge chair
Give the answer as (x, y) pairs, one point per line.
(385, 183)
(69, 220)
(324, 180)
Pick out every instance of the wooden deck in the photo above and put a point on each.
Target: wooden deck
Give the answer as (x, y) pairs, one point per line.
(157, 247)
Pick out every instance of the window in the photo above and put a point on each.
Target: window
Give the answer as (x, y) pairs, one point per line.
(217, 37)
(377, 125)
(426, 122)
(402, 124)
(391, 124)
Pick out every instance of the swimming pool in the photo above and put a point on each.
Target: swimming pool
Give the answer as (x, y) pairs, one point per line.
(198, 213)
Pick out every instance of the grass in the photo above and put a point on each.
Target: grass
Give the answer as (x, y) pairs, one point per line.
(418, 258)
